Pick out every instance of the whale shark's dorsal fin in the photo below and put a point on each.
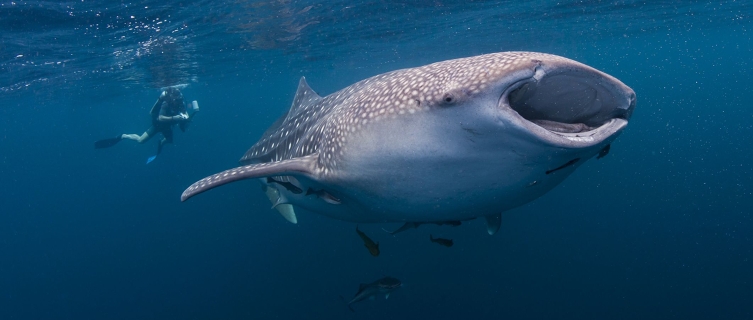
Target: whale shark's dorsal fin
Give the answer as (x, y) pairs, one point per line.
(304, 97)
(306, 166)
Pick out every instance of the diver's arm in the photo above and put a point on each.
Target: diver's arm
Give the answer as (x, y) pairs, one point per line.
(179, 117)
(164, 118)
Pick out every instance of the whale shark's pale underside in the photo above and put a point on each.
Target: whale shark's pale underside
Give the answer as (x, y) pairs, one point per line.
(449, 141)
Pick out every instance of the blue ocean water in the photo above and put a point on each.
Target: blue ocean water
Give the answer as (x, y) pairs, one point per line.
(661, 228)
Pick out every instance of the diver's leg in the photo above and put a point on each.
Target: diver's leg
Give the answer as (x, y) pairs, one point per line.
(136, 137)
(167, 138)
(144, 137)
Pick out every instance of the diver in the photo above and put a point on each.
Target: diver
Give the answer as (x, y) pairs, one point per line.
(169, 110)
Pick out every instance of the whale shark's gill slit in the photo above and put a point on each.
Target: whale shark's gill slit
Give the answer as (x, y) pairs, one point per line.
(569, 163)
(568, 101)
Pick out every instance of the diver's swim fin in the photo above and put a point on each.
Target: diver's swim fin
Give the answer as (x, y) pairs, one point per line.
(106, 143)
(150, 159)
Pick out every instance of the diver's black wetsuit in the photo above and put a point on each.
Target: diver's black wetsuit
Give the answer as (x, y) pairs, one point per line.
(167, 107)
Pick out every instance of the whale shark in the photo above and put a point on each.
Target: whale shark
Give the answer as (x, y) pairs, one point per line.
(449, 141)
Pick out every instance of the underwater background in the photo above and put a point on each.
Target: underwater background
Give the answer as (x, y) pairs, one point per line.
(661, 228)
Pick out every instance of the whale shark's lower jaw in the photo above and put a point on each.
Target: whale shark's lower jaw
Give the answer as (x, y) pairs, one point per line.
(570, 105)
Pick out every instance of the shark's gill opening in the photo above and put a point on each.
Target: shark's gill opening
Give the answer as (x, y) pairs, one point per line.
(567, 102)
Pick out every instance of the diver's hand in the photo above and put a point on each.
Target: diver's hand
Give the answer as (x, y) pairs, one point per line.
(182, 117)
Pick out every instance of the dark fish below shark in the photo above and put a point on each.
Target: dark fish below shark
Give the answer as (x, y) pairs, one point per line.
(450, 141)
(368, 243)
(415, 225)
(369, 290)
(441, 241)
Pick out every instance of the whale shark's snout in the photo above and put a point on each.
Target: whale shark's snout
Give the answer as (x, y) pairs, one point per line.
(569, 104)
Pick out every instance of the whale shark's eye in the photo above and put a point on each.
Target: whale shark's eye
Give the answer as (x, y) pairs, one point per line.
(448, 98)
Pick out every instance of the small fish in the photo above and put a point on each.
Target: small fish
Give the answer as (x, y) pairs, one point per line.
(414, 225)
(368, 243)
(324, 195)
(441, 241)
(369, 290)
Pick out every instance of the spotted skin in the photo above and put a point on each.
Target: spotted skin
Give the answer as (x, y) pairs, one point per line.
(323, 125)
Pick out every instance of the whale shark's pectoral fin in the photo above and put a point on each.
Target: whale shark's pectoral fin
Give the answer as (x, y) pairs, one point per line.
(493, 222)
(300, 167)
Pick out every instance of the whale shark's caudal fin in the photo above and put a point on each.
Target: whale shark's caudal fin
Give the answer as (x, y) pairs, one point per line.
(301, 167)
(493, 222)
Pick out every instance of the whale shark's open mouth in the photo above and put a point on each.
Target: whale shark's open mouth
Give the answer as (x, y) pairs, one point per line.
(572, 103)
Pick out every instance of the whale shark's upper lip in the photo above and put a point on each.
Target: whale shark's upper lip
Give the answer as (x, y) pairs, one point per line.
(569, 104)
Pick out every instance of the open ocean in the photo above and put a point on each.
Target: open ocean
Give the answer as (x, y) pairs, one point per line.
(662, 228)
